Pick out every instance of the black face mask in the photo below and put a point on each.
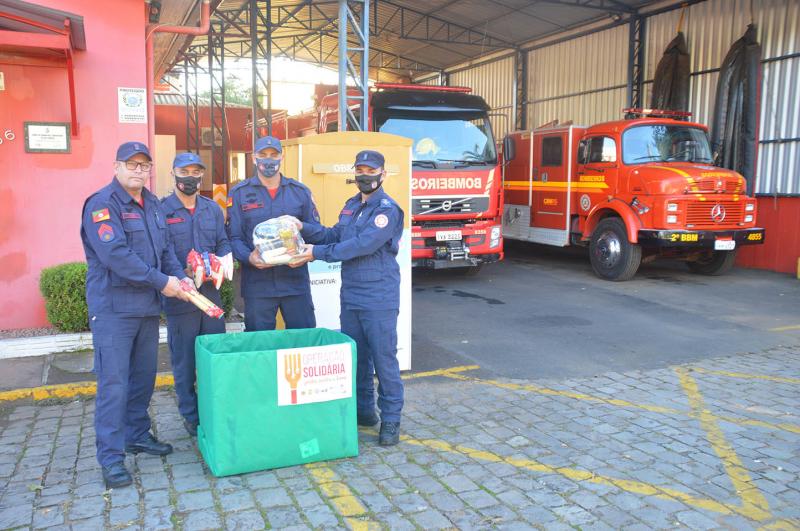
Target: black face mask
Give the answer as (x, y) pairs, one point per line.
(368, 183)
(188, 185)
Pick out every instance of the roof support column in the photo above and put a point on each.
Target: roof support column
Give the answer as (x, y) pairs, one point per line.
(218, 137)
(636, 50)
(261, 47)
(192, 113)
(520, 90)
(359, 71)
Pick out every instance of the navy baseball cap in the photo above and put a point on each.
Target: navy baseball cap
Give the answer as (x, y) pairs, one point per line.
(268, 142)
(370, 158)
(187, 159)
(129, 149)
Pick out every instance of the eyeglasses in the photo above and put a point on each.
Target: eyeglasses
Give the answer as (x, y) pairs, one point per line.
(187, 173)
(132, 165)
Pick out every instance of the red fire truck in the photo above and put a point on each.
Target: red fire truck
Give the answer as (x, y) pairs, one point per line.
(456, 186)
(632, 190)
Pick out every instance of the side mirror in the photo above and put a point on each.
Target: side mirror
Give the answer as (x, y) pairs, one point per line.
(509, 149)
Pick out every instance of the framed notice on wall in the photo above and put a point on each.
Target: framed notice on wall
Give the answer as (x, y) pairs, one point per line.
(47, 137)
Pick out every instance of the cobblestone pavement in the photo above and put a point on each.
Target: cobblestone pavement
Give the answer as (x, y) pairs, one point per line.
(711, 445)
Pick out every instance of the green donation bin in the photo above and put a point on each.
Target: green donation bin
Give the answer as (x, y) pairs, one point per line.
(275, 398)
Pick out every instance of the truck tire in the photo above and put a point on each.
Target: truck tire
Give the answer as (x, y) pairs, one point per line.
(613, 257)
(717, 263)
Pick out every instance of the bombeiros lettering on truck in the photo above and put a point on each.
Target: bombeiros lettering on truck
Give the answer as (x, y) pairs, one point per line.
(631, 190)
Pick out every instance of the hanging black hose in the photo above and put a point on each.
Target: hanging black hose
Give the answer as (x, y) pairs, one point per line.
(734, 131)
(671, 82)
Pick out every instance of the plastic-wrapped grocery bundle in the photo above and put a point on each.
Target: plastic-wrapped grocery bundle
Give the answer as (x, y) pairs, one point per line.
(278, 240)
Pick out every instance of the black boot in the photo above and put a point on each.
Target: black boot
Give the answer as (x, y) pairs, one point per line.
(148, 445)
(116, 476)
(368, 419)
(390, 434)
(191, 427)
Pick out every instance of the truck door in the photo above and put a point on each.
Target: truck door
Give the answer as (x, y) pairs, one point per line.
(550, 181)
(596, 174)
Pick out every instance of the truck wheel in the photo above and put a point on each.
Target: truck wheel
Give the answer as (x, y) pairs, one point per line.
(716, 263)
(613, 257)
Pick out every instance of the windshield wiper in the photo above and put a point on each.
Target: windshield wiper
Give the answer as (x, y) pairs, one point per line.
(431, 163)
(466, 162)
(649, 157)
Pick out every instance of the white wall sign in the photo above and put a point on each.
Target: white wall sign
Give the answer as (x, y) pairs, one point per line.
(314, 374)
(44, 137)
(132, 105)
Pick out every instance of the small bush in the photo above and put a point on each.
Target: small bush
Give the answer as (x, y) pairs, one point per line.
(64, 290)
(227, 294)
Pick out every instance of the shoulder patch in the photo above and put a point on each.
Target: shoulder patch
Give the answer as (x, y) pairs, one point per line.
(385, 202)
(230, 201)
(100, 215)
(381, 221)
(105, 232)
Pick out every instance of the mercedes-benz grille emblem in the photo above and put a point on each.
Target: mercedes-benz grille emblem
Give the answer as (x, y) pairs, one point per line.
(447, 205)
(718, 213)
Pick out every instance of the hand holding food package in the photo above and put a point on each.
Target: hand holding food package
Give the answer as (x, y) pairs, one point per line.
(278, 240)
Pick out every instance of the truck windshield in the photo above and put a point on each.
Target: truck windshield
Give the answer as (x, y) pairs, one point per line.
(665, 143)
(442, 137)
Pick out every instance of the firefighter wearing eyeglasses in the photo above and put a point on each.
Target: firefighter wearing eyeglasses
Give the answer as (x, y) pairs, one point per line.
(366, 240)
(194, 223)
(130, 261)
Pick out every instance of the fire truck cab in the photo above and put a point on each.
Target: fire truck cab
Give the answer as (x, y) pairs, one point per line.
(631, 190)
(456, 185)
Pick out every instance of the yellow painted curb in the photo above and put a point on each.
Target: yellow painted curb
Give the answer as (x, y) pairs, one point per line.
(70, 390)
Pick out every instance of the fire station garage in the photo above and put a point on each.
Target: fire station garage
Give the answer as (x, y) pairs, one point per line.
(604, 224)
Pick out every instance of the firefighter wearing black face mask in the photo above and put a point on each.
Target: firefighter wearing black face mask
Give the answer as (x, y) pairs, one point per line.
(194, 222)
(366, 240)
(266, 288)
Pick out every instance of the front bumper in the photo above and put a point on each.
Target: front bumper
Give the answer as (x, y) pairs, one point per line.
(466, 261)
(699, 238)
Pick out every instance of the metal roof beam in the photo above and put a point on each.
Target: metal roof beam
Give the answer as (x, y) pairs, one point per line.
(419, 26)
(609, 6)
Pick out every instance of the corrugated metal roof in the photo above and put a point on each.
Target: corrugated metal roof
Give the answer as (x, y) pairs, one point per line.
(423, 35)
(179, 99)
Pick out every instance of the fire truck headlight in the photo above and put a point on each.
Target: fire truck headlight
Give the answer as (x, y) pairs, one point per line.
(494, 237)
(748, 218)
(749, 207)
(672, 219)
(672, 207)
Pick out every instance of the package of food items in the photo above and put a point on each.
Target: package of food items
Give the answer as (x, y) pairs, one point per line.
(278, 240)
(201, 301)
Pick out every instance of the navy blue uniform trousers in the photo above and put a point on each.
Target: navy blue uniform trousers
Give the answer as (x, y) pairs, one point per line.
(125, 361)
(297, 312)
(182, 330)
(375, 334)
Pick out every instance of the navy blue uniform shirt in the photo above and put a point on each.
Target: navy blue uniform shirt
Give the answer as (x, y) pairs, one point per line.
(366, 240)
(128, 253)
(203, 231)
(250, 204)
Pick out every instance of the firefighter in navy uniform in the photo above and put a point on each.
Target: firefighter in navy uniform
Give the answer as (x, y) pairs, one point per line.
(124, 235)
(366, 241)
(194, 222)
(266, 288)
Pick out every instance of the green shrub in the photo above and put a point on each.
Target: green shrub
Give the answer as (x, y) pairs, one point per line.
(227, 294)
(64, 290)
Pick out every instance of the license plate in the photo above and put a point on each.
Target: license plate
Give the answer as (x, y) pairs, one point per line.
(724, 245)
(448, 235)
